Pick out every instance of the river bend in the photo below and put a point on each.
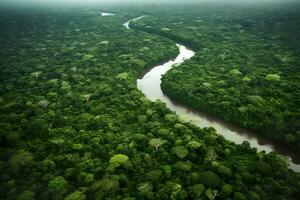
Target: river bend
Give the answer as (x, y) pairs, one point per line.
(150, 83)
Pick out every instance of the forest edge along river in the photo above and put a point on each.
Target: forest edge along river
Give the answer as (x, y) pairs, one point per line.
(150, 83)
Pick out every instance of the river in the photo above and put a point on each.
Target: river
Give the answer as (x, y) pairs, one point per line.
(104, 14)
(150, 83)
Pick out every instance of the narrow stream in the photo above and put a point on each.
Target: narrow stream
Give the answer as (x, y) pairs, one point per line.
(126, 24)
(104, 14)
(150, 83)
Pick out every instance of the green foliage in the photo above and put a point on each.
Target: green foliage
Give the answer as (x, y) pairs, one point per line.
(122, 76)
(263, 168)
(145, 187)
(183, 166)
(167, 171)
(239, 196)
(235, 72)
(180, 151)
(165, 29)
(58, 185)
(226, 191)
(179, 195)
(156, 142)
(145, 190)
(104, 42)
(27, 195)
(142, 119)
(196, 190)
(65, 85)
(106, 185)
(171, 118)
(253, 196)
(224, 171)
(57, 141)
(210, 193)
(210, 179)
(273, 77)
(194, 145)
(234, 75)
(89, 178)
(48, 165)
(72, 115)
(87, 57)
(255, 99)
(118, 160)
(77, 195)
(20, 160)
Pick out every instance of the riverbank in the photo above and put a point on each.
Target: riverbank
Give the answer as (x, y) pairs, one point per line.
(150, 85)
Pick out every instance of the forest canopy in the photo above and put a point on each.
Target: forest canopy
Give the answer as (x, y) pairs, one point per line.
(73, 124)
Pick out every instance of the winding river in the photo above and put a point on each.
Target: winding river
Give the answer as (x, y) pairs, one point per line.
(150, 83)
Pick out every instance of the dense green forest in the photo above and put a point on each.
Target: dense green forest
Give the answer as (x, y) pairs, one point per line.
(74, 126)
(246, 69)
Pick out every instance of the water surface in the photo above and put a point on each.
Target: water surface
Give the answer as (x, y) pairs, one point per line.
(126, 24)
(104, 14)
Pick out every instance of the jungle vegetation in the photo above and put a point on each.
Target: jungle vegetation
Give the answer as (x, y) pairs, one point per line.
(74, 126)
(246, 70)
